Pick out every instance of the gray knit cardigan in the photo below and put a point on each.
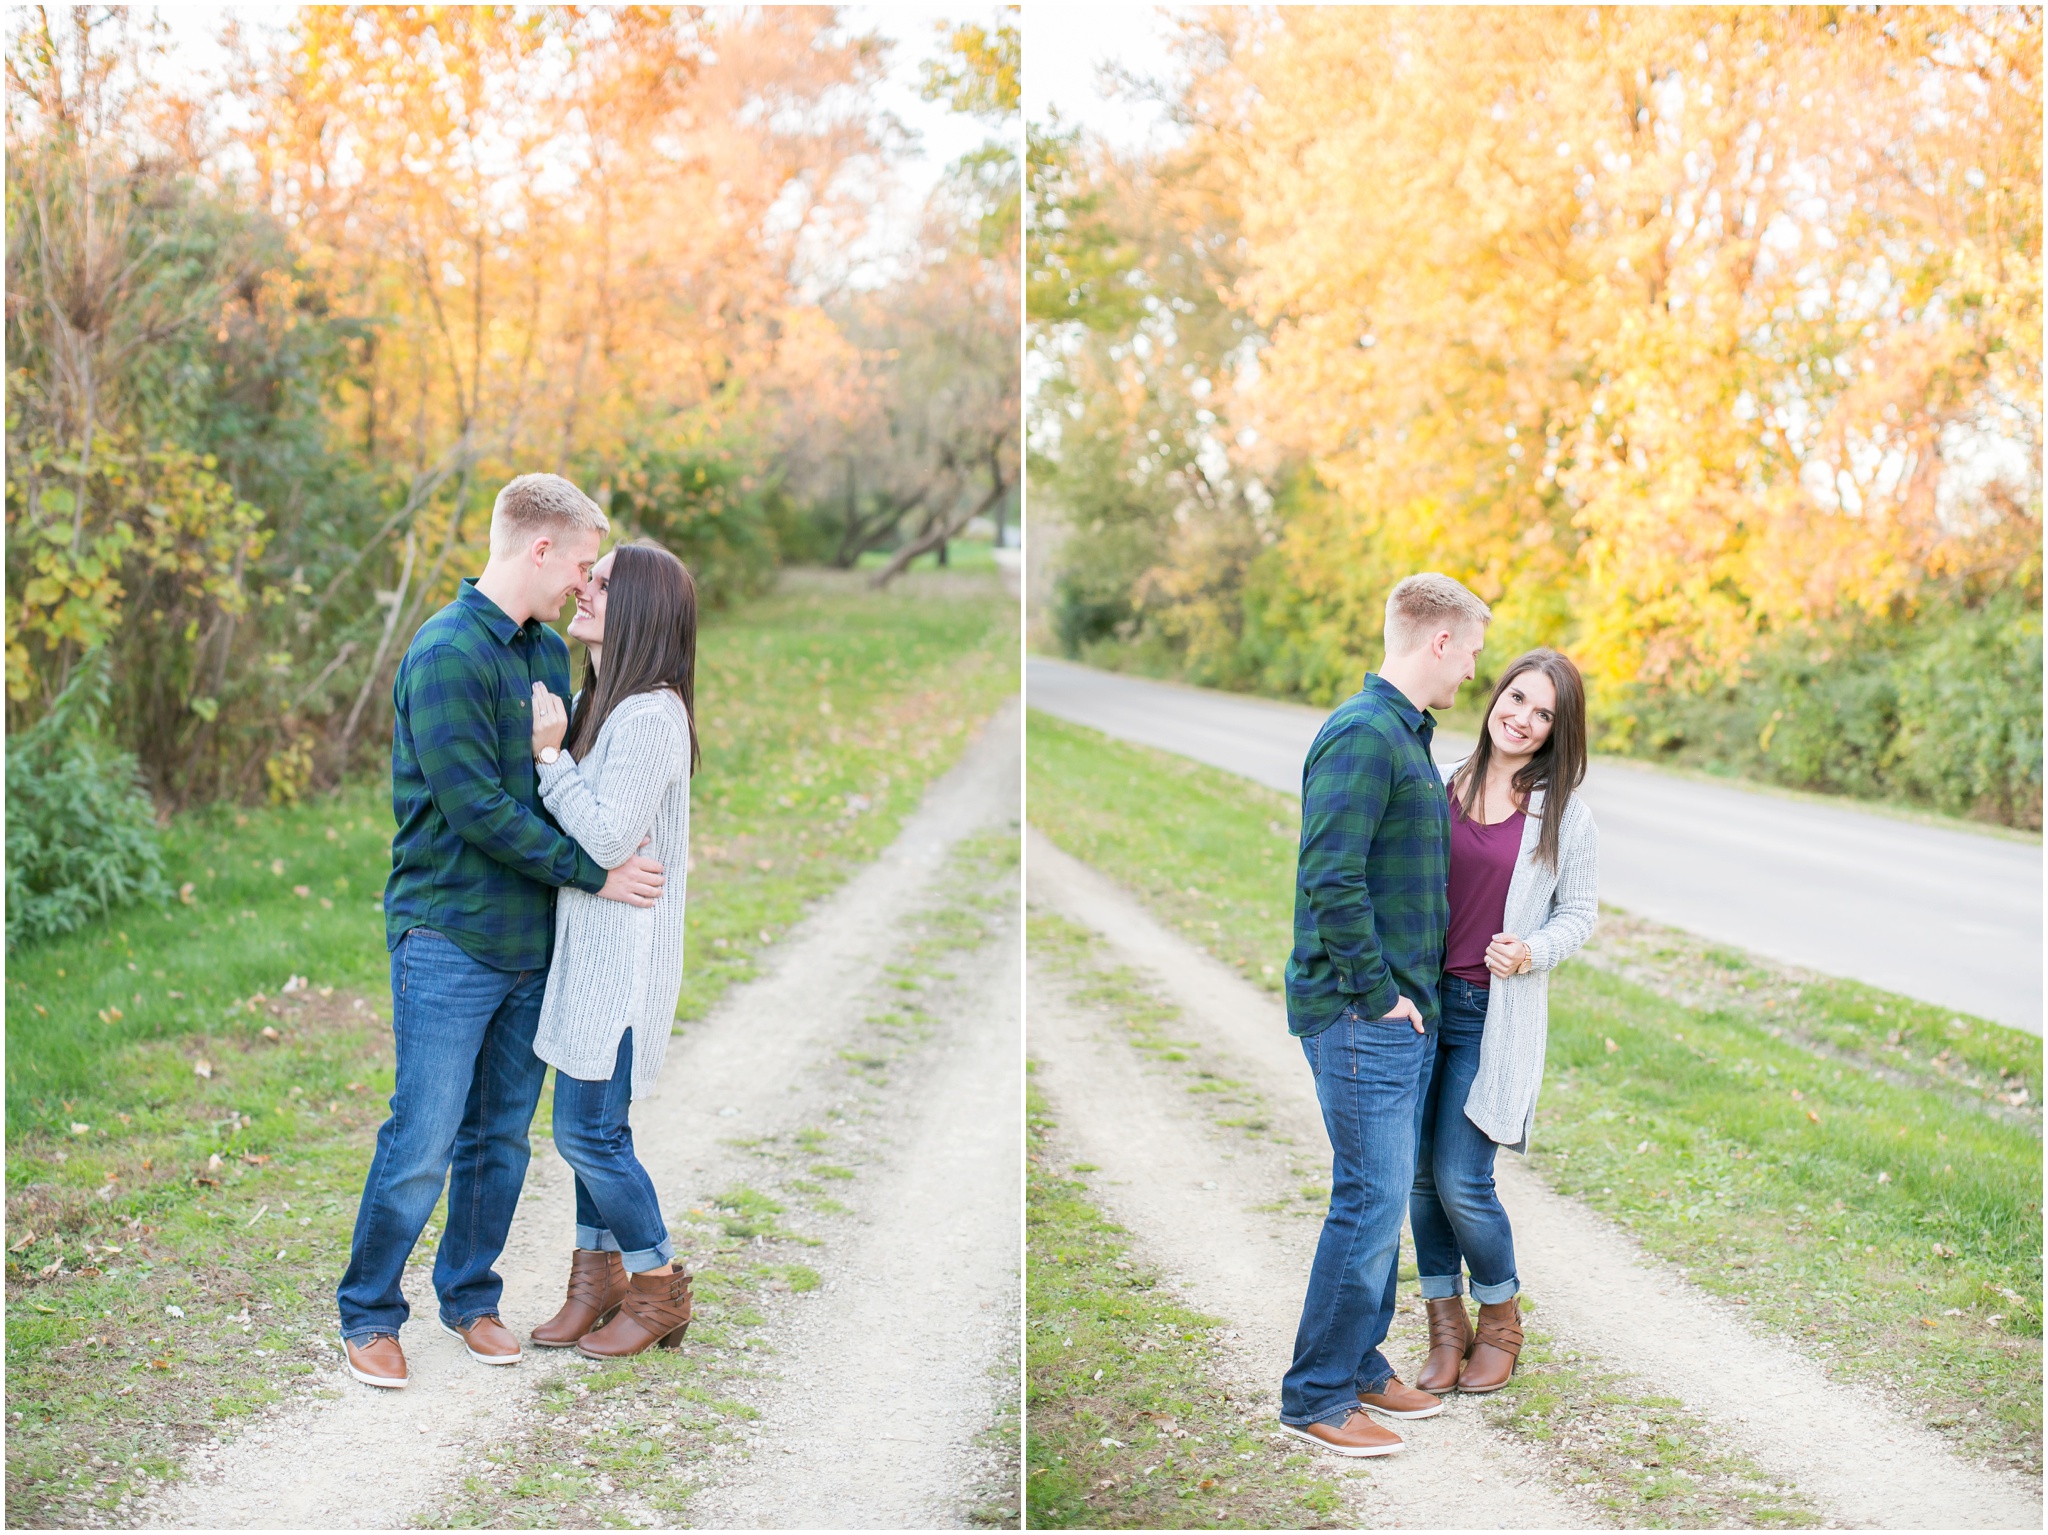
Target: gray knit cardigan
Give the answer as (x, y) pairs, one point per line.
(1553, 913)
(619, 967)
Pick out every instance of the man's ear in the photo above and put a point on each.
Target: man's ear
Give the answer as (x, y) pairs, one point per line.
(539, 550)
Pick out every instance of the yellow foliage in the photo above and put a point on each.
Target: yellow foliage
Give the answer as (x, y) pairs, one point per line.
(1702, 316)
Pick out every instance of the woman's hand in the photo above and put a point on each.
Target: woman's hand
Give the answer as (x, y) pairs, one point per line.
(550, 719)
(1508, 955)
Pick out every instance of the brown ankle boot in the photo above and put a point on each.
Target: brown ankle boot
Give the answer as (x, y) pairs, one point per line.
(1494, 1351)
(1450, 1340)
(655, 1313)
(597, 1284)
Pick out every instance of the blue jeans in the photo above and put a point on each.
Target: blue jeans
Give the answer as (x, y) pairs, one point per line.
(468, 1082)
(1456, 1215)
(616, 1208)
(1369, 1079)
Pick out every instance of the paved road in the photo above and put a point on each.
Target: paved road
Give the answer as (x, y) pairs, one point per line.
(1949, 917)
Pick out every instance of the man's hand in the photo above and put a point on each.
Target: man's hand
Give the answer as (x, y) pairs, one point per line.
(1403, 1008)
(1507, 955)
(550, 719)
(636, 882)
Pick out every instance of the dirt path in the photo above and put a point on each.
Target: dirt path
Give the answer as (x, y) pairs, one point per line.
(922, 1338)
(1188, 1194)
(766, 1063)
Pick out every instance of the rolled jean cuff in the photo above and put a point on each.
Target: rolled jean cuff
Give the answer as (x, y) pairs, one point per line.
(1338, 1414)
(1436, 1287)
(1494, 1294)
(597, 1240)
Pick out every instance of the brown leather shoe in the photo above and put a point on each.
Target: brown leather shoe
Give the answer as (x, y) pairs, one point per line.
(1491, 1363)
(488, 1340)
(655, 1313)
(1357, 1435)
(597, 1284)
(1450, 1340)
(1398, 1401)
(377, 1361)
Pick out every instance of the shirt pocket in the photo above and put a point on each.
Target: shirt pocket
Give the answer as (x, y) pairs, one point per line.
(515, 732)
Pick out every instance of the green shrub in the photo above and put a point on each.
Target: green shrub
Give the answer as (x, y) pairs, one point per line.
(81, 832)
(1942, 710)
(1970, 716)
(716, 514)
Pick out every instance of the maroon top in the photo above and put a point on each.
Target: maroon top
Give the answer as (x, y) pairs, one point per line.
(1482, 864)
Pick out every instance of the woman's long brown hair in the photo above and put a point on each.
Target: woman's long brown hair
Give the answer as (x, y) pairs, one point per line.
(1559, 765)
(650, 641)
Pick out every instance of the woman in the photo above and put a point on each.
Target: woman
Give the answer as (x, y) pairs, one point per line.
(1524, 891)
(617, 778)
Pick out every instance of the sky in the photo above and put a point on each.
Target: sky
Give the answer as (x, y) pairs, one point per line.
(943, 135)
(1065, 47)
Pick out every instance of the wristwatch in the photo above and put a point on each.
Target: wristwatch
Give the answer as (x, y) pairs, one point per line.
(548, 754)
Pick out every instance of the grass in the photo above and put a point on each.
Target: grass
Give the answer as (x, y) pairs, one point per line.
(115, 1209)
(1129, 1420)
(961, 554)
(1642, 1457)
(1799, 1146)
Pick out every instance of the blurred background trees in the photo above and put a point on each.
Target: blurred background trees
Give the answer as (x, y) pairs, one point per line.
(1702, 342)
(272, 352)
(276, 335)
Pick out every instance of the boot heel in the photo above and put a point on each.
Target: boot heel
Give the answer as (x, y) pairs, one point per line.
(674, 1339)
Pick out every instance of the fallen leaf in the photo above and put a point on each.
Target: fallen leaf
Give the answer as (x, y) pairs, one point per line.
(1813, 1116)
(1612, 1047)
(254, 1160)
(28, 1240)
(185, 893)
(271, 1034)
(202, 1068)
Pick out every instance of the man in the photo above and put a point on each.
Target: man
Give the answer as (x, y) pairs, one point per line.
(469, 918)
(1370, 919)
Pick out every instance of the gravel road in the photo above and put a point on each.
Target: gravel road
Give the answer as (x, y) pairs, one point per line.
(917, 1310)
(1192, 1198)
(1951, 917)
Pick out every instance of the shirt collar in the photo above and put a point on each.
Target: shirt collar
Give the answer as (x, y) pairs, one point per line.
(493, 617)
(1421, 721)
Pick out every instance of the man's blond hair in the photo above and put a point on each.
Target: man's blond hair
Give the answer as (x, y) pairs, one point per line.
(535, 504)
(1426, 605)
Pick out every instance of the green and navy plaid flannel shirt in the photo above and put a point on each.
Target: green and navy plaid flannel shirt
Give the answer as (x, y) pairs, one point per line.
(476, 856)
(1370, 906)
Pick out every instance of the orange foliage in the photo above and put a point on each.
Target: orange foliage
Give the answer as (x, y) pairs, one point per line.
(1676, 324)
